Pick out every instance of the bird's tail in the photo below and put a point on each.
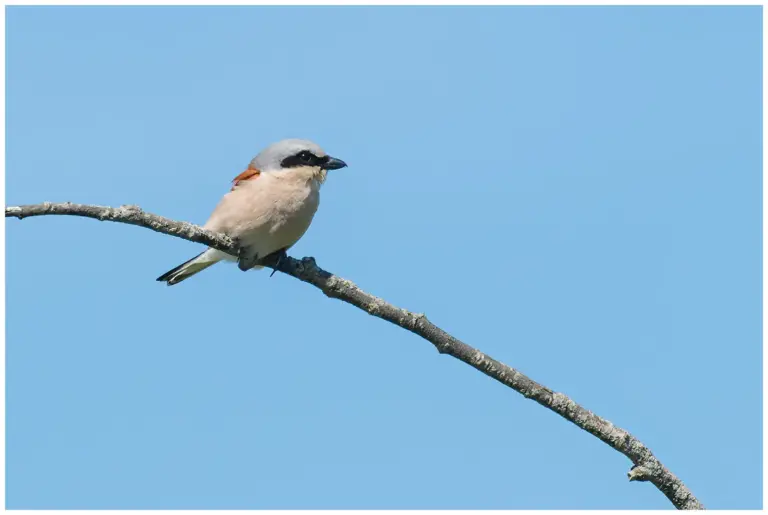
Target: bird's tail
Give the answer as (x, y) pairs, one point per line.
(191, 267)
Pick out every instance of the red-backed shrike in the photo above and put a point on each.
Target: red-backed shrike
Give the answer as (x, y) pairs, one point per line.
(269, 208)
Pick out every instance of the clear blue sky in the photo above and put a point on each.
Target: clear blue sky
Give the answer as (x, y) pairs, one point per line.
(575, 191)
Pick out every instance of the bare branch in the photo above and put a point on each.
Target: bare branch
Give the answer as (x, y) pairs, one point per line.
(646, 466)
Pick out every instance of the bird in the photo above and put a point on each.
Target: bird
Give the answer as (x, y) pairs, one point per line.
(269, 207)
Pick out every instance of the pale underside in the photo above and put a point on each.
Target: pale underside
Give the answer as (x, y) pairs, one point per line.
(269, 211)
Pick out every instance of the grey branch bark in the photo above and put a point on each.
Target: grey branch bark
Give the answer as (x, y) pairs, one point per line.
(646, 466)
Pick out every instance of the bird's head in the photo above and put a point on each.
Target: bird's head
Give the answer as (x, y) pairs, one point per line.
(295, 154)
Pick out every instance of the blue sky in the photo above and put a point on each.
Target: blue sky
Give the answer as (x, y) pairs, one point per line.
(574, 191)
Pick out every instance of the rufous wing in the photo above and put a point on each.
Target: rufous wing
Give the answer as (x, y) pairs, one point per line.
(248, 175)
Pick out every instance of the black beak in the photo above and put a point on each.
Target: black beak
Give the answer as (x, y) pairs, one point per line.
(333, 164)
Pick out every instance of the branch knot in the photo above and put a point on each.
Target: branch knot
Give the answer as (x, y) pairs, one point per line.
(640, 473)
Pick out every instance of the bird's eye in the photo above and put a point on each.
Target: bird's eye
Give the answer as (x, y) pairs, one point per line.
(303, 158)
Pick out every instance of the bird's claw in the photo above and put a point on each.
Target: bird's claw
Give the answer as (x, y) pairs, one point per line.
(245, 259)
(281, 254)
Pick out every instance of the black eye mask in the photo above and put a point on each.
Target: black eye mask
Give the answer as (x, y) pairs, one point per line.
(304, 158)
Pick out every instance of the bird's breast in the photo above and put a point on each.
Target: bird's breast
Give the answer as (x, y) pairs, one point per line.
(270, 212)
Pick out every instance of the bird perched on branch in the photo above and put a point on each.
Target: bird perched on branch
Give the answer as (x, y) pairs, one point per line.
(269, 208)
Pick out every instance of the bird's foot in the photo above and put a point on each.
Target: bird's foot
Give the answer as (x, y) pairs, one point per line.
(246, 259)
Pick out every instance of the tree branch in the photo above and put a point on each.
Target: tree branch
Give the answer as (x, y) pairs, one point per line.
(646, 466)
